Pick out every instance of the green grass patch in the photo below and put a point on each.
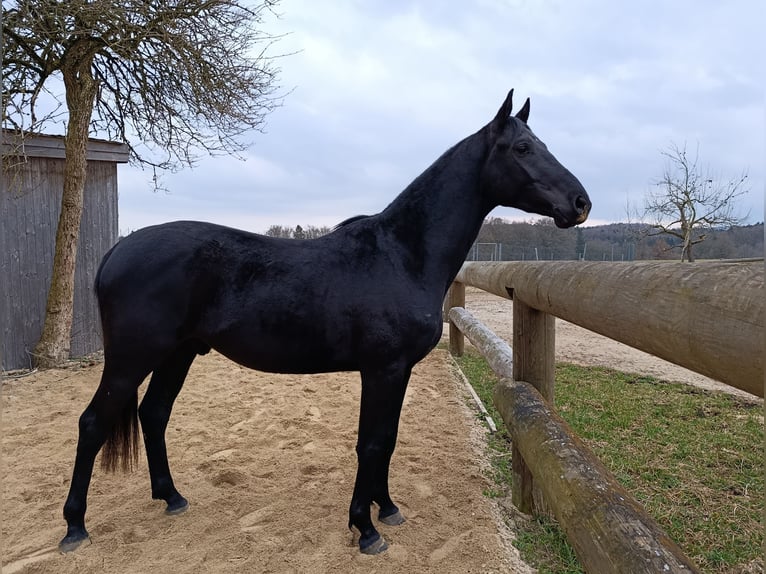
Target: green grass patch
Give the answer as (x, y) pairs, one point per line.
(694, 459)
(483, 381)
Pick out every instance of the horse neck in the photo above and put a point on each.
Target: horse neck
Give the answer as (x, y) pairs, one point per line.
(438, 216)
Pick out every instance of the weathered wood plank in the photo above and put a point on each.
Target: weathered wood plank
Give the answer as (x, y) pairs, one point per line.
(606, 526)
(534, 361)
(52, 146)
(455, 299)
(30, 198)
(534, 339)
(706, 316)
(494, 349)
(608, 529)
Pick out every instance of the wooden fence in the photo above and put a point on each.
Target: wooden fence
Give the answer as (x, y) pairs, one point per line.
(708, 317)
(30, 203)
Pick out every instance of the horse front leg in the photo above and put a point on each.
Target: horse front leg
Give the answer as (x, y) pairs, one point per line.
(388, 512)
(382, 398)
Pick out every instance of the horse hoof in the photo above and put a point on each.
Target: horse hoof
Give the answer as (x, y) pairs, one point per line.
(177, 508)
(73, 541)
(394, 519)
(375, 547)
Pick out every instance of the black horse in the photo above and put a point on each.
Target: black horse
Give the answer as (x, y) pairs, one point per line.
(366, 297)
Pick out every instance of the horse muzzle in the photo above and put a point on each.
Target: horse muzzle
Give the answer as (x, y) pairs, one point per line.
(576, 214)
(582, 205)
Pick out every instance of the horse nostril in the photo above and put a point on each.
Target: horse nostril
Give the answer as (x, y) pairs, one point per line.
(581, 204)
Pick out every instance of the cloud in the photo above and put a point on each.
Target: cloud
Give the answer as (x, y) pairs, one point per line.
(381, 89)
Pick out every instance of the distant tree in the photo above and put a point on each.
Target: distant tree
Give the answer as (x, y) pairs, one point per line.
(719, 246)
(545, 239)
(660, 248)
(580, 244)
(689, 202)
(172, 79)
(312, 232)
(494, 230)
(279, 231)
(299, 232)
(613, 241)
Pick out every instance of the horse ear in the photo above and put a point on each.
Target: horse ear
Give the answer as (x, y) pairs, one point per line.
(501, 119)
(523, 113)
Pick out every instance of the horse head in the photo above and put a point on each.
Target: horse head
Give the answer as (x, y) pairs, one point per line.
(520, 172)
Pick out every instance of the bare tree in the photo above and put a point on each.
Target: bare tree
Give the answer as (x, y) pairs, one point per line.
(172, 78)
(688, 202)
(279, 231)
(312, 231)
(298, 232)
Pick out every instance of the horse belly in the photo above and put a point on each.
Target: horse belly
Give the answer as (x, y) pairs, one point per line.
(280, 354)
(340, 334)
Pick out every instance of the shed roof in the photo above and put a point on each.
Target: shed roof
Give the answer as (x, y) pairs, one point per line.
(52, 146)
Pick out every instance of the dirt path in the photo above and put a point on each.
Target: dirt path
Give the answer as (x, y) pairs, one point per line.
(268, 465)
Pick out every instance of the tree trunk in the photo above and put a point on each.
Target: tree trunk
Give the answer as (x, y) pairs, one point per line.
(686, 251)
(686, 245)
(53, 347)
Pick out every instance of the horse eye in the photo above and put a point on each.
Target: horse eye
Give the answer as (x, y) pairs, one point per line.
(522, 148)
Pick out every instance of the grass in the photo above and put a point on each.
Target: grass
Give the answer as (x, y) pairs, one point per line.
(694, 460)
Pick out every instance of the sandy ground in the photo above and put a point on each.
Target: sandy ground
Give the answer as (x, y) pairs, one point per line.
(268, 465)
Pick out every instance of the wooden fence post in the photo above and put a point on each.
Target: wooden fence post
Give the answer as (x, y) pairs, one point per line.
(455, 298)
(606, 526)
(534, 362)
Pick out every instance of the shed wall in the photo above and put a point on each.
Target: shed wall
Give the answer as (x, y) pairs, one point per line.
(30, 203)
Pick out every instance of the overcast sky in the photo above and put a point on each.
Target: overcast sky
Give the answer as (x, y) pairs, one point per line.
(381, 88)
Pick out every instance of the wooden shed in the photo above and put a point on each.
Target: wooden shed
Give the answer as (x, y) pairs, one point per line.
(30, 203)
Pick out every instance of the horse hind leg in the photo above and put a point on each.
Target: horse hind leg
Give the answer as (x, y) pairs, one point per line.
(109, 418)
(154, 412)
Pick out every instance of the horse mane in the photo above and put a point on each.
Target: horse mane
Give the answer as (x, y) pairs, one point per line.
(349, 220)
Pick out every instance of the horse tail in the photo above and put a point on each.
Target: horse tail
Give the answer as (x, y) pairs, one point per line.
(121, 447)
(120, 451)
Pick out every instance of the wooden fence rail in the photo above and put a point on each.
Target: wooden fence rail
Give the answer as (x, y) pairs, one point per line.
(607, 527)
(708, 317)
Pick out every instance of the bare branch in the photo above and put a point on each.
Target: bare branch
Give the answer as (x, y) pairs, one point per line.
(173, 78)
(176, 79)
(686, 202)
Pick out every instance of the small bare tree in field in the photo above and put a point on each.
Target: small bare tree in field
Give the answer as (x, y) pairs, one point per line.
(172, 78)
(688, 201)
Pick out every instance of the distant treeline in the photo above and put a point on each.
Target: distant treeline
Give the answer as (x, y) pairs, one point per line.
(502, 240)
(297, 232)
